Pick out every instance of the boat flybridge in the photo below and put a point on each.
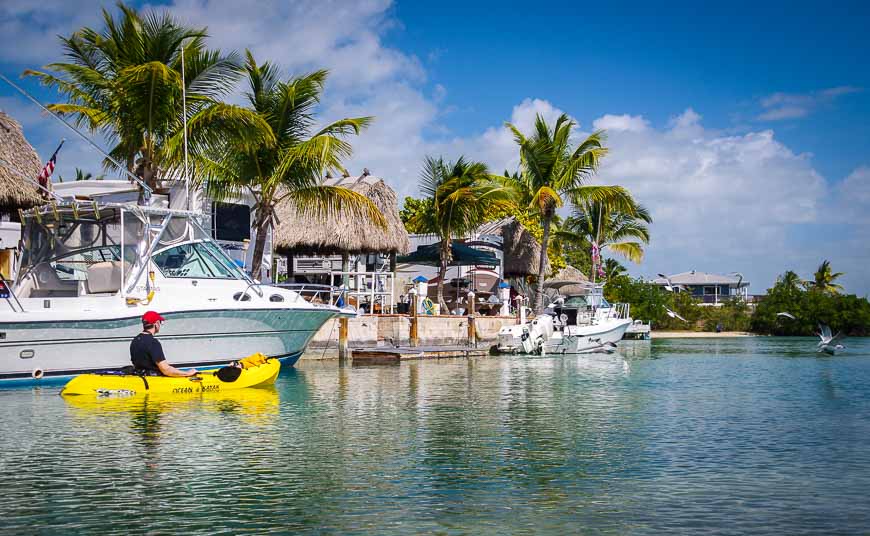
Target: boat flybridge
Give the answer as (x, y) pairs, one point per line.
(581, 321)
(88, 271)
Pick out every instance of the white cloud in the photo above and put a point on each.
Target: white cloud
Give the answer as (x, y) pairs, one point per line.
(782, 106)
(852, 196)
(620, 123)
(33, 28)
(784, 112)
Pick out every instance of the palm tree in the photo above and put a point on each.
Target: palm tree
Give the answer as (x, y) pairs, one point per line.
(550, 168)
(823, 279)
(460, 196)
(791, 281)
(618, 225)
(125, 82)
(290, 169)
(613, 269)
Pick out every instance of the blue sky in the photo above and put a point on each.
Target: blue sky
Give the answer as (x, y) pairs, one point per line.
(649, 59)
(744, 127)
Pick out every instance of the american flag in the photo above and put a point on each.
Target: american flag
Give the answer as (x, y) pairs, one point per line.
(46, 172)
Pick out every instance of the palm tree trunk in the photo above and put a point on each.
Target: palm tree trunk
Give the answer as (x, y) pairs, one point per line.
(442, 273)
(542, 264)
(262, 226)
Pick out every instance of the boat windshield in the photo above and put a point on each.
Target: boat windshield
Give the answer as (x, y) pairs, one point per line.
(576, 301)
(67, 252)
(198, 260)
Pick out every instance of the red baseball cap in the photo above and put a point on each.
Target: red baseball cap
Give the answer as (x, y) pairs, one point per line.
(152, 317)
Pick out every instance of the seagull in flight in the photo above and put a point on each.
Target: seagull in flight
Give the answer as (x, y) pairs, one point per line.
(829, 344)
(675, 315)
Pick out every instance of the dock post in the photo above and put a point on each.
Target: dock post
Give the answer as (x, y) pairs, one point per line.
(472, 335)
(343, 353)
(414, 340)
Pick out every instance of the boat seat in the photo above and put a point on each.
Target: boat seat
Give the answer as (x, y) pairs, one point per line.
(43, 282)
(104, 277)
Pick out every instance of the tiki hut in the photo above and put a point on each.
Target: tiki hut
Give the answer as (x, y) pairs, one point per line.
(19, 162)
(344, 233)
(521, 250)
(568, 273)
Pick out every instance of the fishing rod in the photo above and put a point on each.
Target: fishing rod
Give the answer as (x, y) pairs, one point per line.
(145, 188)
(8, 165)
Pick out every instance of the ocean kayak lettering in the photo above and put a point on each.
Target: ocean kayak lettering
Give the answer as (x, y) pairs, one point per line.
(204, 388)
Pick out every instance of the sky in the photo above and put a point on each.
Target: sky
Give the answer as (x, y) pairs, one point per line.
(743, 127)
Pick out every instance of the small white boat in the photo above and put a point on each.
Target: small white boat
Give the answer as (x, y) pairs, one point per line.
(575, 324)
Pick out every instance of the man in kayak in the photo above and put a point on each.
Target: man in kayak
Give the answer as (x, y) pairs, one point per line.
(146, 353)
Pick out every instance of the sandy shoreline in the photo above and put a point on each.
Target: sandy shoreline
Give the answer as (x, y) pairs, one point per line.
(699, 334)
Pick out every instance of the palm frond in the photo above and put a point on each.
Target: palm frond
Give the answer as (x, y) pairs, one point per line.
(632, 251)
(321, 202)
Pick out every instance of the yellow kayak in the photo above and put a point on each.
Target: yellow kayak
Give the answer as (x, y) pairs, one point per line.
(256, 370)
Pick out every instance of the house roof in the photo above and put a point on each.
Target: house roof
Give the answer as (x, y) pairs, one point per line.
(694, 277)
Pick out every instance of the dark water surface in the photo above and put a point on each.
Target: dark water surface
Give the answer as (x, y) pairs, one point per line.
(722, 436)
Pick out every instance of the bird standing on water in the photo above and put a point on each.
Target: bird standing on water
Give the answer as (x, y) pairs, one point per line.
(829, 344)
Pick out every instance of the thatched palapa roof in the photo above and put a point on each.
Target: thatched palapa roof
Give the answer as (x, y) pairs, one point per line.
(522, 251)
(568, 273)
(19, 160)
(297, 235)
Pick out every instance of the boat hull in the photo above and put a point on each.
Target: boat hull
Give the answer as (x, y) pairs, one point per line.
(37, 351)
(597, 337)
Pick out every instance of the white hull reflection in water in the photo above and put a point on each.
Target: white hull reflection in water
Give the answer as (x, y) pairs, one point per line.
(761, 437)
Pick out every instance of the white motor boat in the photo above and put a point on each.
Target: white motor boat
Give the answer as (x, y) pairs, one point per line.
(525, 337)
(578, 323)
(89, 271)
(585, 322)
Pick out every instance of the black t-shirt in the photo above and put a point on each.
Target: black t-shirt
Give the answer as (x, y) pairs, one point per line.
(146, 352)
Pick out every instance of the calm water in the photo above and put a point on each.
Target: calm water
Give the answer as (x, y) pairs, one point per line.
(681, 436)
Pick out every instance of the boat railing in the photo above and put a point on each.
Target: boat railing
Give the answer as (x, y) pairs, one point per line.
(9, 294)
(317, 293)
(616, 311)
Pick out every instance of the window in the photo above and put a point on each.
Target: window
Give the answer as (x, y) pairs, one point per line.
(576, 301)
(232, 222)
(74, 267)
(193, 260)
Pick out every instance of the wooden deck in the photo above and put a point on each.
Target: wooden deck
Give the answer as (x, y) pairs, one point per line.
(394, 356)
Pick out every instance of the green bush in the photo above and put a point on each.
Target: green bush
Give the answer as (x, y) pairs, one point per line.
(650, 303)
(842, 312)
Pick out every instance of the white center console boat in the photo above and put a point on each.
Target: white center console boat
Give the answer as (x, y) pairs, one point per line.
(580, 322)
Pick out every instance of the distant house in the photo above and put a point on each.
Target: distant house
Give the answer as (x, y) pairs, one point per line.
(709, 289)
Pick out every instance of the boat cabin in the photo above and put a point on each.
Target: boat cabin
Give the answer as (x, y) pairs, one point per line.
(88, 249)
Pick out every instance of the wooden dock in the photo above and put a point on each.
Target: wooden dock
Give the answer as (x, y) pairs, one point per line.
(394, 356)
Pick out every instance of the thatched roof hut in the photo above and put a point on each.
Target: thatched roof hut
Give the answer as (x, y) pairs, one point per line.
(568, 273)
(522, 251)
(298, 235)
(19, 160)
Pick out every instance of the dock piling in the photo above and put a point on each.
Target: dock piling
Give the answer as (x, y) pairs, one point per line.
(414, 339)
